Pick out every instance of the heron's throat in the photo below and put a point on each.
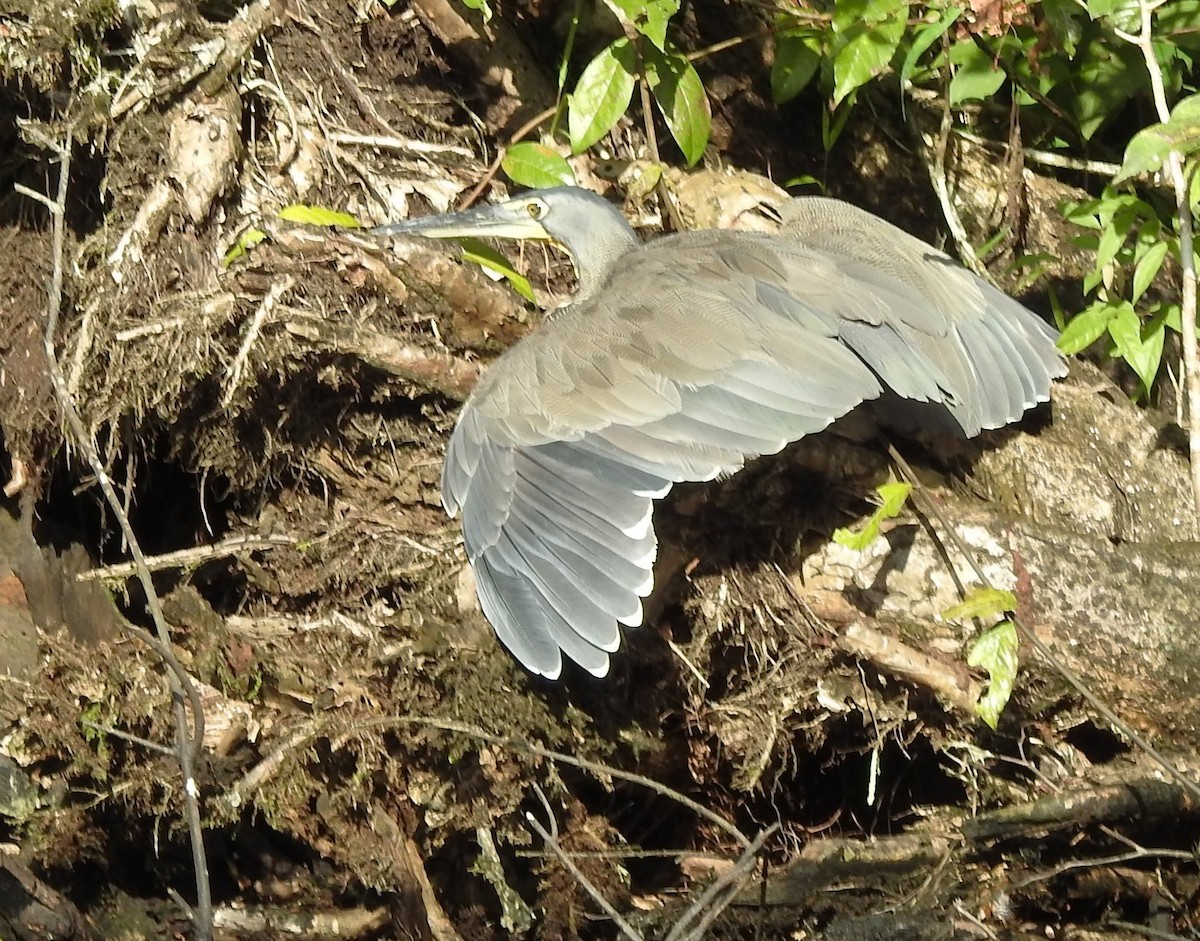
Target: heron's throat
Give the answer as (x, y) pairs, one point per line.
(601, 253)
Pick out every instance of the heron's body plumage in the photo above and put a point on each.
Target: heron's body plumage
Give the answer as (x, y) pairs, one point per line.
(680, 360)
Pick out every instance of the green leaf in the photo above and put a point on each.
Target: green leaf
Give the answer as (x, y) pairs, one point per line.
(1056, 309)
(1106, 75)
(834, 122)
(804, 179)
(892, 497)
(482, 6)
(1141, 349)
(1101, 8)
(1147, 268)
(1065, 21)
(866, 53)
(536, 166)
(648, 17)
(1112, 239)
(996, 651)
(318, 215)
(976, 76)
(1031, 268)
(1121, 14)
(246, 241)
(1147, 150)
(1081, 213)
(926, 36)
(985, 249)
(1171, 316)
(858, 539)
(1085, 328)
(797, 56)
(982, 603)
(602, 94)
(1176, 21)
(681, 98)
(492, 261)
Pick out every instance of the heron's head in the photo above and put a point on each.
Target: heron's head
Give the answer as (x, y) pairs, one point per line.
(591, 229)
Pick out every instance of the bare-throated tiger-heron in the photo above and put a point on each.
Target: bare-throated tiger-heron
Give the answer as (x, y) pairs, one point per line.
(678, 360)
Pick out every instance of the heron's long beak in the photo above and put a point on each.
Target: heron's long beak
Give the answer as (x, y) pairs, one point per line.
(500, 220)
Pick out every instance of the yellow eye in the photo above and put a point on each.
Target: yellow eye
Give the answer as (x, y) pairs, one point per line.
(535, 209)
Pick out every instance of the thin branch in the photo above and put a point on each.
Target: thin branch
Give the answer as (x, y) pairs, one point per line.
(1095, 863)
(551, 840)
(1144, 930)
(127, 737)
(181, 685)
(719, 894)
(935, 165)
(518, 135)
(188, 558)
(233, 377)
(244, 788)
(1046, 158)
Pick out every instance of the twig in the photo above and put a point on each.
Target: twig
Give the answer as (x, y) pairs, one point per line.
(718, 896)
(962, 911)
(1045, 158)
(1144, 931)
(732, 43)
(188, 558)
(391, 142)
(936, 168)
(350, 84)
(518, 135)
(17, 479)
(551, 841)
(127, 737)
(1099, 861)
(676, 854)
(243, 789)
(660, 187)
(692, 668)
(181, 685)
(233, 377)
(1144, 40)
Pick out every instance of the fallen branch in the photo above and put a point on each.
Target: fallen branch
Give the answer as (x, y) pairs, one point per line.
(439, 372)
(550, 838)
(343, 923)
(1143, 799)
(954, 687)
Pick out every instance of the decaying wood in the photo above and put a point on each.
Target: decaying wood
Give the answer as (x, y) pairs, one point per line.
(31, 911)
(1141, 799)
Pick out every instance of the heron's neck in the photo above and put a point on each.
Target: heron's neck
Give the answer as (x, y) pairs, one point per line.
(610, 240)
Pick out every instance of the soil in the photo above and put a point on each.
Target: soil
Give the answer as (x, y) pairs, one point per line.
(270, 402)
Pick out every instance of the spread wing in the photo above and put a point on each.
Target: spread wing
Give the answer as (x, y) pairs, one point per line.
(994, 358)
(703, 350)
